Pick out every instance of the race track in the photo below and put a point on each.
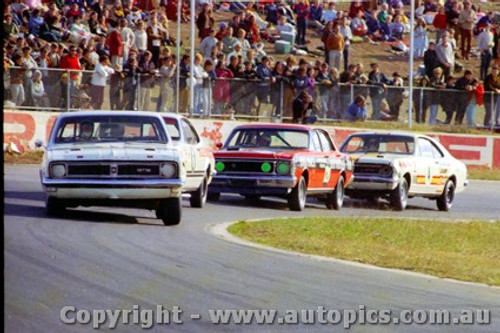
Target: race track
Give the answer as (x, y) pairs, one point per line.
(104, 258)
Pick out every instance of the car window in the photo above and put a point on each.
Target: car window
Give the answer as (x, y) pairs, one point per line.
(269, 138)
(105, 128)
(173, 128)
(426, 148)
(189, 133)
(379, 143)
(326, 143)
(315, 141)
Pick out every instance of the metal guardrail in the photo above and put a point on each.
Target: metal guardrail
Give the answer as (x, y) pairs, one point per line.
(66, 90)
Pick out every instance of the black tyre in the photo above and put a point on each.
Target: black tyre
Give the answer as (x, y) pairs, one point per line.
(372, 200)
(297, 198)
(213, 196)
(54, 206)
(199, 197)
(445, 201)
(169, 211)
(399, 196)
(335, 200)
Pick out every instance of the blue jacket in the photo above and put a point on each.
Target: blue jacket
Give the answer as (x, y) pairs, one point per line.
(355, 112)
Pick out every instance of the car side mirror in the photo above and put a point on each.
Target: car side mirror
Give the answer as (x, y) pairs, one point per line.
(218, 145)
(39, 143)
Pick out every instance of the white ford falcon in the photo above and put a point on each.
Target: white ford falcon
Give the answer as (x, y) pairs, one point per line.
(115, 158)
(398, 166)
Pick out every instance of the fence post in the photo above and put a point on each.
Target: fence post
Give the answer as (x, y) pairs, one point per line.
(352, 94)
(138, 92)
(209, 106)
(279, 113)
(68, 90)
(420, 105)
(492, 114)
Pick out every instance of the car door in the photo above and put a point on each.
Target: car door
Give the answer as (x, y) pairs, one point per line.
(316, 163)
(332, 160)
(191, 140)
(424, 168)
(439, 170)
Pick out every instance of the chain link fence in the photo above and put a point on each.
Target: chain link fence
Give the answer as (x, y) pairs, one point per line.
(52, 89)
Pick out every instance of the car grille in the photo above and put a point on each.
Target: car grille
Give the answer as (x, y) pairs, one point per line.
(246, 166)
(112, 170)
(367, 168)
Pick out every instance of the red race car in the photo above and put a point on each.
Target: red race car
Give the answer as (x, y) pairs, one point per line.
(288, 161)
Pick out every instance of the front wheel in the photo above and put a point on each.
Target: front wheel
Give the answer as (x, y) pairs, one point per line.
(399, 196)
(445, 201)
(335, 200)
(169, 211)
(297, 198)
(199, 197)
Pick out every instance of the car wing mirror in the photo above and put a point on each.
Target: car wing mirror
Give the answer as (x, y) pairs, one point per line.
(39, 143)
(218, 145)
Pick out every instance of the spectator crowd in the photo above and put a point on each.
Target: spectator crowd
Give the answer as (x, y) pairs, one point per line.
(83, 46)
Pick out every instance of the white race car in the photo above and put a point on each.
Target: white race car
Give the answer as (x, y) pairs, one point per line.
(398, 166)
(116, 158)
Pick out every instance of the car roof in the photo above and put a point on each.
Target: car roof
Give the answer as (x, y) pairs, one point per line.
(388, 133)
(274, 126)
(108, 113)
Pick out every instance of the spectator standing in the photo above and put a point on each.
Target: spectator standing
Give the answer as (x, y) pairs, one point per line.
(420, 41)
(444, 52)
(40, 97)
(356, 110)
(466, 102)
(466, 21)
(325, 85)
(452, 15)
(155, 37)
(395, 95)
(492, 99)
(485, 45)
(16, 80)
(346, 32)
(431, 59)
(99, 80)
(115, 44)
(440, 23)
(421, 100)
(448, 102)
(141, 38)
(222, 87)
(301, 14)
(205, 21)
(324, 37)
(184, 72)
(71, 62)
(229, 41)
(377, 93)
(208, 81)
(207, 44)
(130, 73)
(264, 74)
(335, 47)
(147, 70)
(436, 81)
(167, 72)
(128, 38)
(198, 75)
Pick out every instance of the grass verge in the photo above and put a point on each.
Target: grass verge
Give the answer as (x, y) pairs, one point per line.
(468, 251)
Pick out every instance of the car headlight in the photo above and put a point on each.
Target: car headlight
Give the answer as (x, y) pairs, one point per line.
(57, 170)
(168, 170)
(283, 168)
(385, 171)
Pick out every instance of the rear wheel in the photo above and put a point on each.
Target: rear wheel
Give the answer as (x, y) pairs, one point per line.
(169, 211)
(399, 196)
(445, 201)
(297, 198)
(199, 197)
(335, 200)
(54, 206)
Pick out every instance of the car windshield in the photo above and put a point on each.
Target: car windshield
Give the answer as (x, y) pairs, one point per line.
(269, 138)
(106, 128)
(379, 143)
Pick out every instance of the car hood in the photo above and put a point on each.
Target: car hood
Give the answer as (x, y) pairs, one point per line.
(376, 158)
(113, 151)
(258, 153)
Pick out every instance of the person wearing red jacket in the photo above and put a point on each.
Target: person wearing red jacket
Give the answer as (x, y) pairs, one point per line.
(72, 62)
(115, 45)
(440, 23)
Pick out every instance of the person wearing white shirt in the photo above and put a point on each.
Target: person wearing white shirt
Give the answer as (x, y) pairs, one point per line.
(198, 75)
(329, 14)
(444, 52)
(485, 45)
(128, 38)
(207, 44)
(99, 79)
(284, 26)
(141, 38)
(167, 71)
(237, 52)
(345, 30)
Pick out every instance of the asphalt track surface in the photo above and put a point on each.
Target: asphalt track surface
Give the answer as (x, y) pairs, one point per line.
(105, 258)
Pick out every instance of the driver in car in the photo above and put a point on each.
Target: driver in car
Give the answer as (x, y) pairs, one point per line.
(86, 130)
(264, 140)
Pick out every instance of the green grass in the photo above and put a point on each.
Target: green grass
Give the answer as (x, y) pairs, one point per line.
(468, 251)
(484, 174)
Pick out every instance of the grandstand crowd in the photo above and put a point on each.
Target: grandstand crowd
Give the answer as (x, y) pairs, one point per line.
(129, 43)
